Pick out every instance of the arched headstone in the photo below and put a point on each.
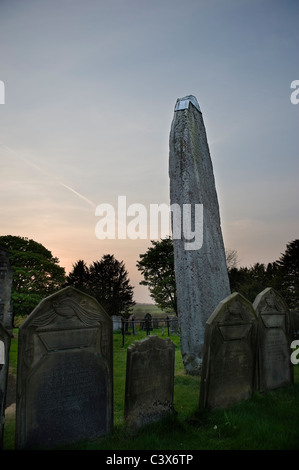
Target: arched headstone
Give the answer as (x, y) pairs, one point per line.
(64, 377)
(229, 360)
(274, 339)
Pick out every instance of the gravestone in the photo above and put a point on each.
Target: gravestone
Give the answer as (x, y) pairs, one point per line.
(6, 274)
(274, 366)
(133, 324)
(149, 381)
(116, 321)
(199, 257)
(147, 325)
(229, 359)
(174, 326)
(5, 337)
(64, 376)
(294, 321)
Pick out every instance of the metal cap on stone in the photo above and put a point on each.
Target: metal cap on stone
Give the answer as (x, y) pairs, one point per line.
(183, 103)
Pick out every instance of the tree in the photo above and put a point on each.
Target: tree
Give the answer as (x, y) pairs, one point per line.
(282, 275)
(106, 280)
(288, 266)
(36, 272)
(79, 277)
(157, 268)
(231, 257)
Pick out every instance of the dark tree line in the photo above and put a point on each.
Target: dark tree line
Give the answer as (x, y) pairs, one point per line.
(37, 274)
(157, 267)
(282, 275)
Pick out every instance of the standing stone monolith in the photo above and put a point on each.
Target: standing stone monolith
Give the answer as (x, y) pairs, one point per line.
(199, 256)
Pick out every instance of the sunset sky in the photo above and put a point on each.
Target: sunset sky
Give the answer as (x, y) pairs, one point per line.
(90, 90)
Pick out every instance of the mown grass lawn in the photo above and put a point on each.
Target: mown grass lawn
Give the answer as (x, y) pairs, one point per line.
(267, 421)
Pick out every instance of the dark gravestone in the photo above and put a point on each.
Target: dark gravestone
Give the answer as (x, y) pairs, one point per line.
(174, 325)
(148, 326)
(274, 366)
(5, 338)
(149, 381)
(6, 274)
(294, 321)
(229, 358)
(133, 324)
(64, 379)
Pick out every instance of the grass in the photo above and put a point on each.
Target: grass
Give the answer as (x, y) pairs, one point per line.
(266, 421)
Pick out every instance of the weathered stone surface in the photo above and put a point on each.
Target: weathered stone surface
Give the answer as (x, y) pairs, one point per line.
(229, 359)
(201, 273)
(274, 366)
(6, 274)
(149, 381)
(64, 377)
(5, 338)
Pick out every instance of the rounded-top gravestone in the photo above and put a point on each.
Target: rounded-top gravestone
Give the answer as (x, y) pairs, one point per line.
(64, 377)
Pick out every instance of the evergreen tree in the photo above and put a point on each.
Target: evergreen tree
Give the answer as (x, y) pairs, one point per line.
(288, 265)
(106, 280)
(79, 276)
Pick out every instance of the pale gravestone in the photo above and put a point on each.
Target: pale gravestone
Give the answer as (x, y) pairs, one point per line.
(229, 359)
(149, 381)
(5, 338)
(6, 275)
(274, 365)
(117, 324)
(200, 264)
(64, 377)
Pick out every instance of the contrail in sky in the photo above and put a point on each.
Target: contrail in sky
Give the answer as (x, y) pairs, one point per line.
(78, 194)
(41, 170)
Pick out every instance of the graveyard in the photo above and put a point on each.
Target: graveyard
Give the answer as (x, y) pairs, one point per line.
(266, 420)
(219, 375)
